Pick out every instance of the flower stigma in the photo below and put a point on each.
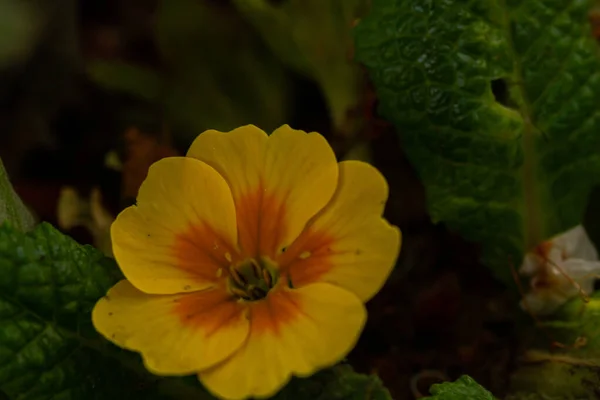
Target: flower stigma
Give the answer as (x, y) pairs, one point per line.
(252, 279)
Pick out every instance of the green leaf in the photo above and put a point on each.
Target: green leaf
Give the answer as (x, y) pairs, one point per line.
(134, 80)
(12, 209)
(20, 25)
(220, 74)
(338, 383)
(50, 350)
(314, 38)
(216, 73)
(463, 388)
(508, 175)
(570, 372)
(48, 346)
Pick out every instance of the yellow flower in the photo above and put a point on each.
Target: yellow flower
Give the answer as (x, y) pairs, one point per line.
(249, 260)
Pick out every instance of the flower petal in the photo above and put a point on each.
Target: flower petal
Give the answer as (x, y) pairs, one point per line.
(178, 235)
(278, 182)
(575, 243)
(582, 274)
(176, 334)
(302, 169)
(348, 244)
(237, 155)
(543, 302)
(293, 332)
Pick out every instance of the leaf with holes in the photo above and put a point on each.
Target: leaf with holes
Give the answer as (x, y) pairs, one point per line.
(506, 171)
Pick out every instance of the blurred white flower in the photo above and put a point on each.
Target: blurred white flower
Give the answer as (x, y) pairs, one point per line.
(560, 269)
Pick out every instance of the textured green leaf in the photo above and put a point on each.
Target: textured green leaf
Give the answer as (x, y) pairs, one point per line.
(506, 175)
(314, 38)
(12, 209)
(48, 346)
(463, 388)
(50, 350)
(570, 372)
(338, 383)
(137, 81)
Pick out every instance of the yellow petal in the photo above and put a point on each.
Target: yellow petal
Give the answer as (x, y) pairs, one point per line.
(302, 169)
(176, 334)
(237, 155)
(348, 244)
(278, 182)
(182, 230)
(293, 332)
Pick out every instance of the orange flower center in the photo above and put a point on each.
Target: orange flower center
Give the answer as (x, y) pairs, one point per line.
(252, 279)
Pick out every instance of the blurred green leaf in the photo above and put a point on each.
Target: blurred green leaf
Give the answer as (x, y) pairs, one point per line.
(216, 73)
(563, 373)
(12, 209)
(464, 388)
(137, 81)
(508, 172)
(314, 38)
(361, 151)
(20, 25)
(220, 75)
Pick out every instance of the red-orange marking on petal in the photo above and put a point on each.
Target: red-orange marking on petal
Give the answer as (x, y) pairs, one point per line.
(261, 222)
(304, 270)
(201, 251)
(210, 310)
(273, 313)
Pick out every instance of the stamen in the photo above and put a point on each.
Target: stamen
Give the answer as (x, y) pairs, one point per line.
(237, 277)
(219, 272)
(252, 279)
(239, 293)
(304, 255)
(267, 277)
(228, 256)
(256, 269)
